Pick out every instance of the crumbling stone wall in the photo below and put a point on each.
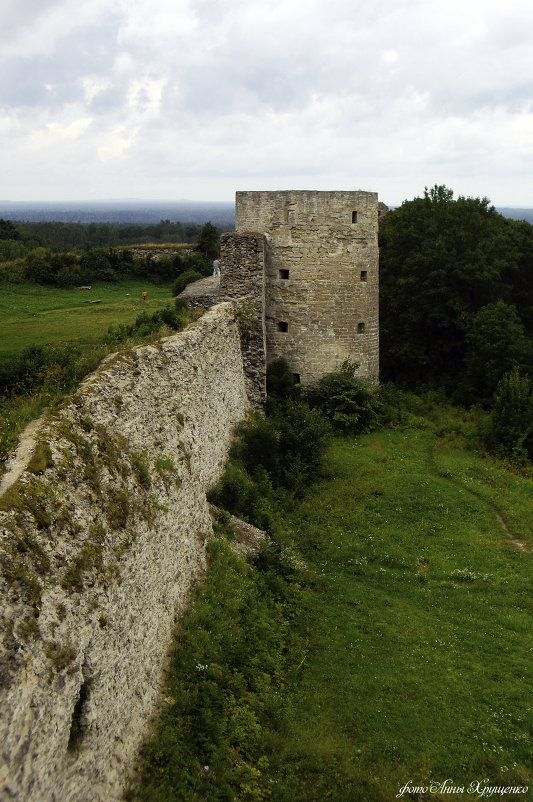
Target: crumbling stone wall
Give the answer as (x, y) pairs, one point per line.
(243, 280)
(160, 252)
(321, 277)
(102, 538)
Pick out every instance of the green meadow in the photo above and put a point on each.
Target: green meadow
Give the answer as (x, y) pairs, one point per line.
(36, 315)
(73, 321)
(396, 649)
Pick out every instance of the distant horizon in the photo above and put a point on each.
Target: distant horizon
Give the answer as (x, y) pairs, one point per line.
(113, 200)
(86, 201)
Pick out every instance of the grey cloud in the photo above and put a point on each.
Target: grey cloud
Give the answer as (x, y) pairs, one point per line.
(18, 15)
(24, 82)
(266, 88)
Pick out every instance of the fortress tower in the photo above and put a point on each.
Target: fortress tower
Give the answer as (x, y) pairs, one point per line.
(317, 272)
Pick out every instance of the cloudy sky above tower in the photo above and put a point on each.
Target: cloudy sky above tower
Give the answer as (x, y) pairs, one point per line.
(195, 99)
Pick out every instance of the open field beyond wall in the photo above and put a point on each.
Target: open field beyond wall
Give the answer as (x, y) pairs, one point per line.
(401, 652)
(35, 315)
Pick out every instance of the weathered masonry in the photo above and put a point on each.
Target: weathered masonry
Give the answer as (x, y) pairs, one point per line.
(309, 260)
(101, 542)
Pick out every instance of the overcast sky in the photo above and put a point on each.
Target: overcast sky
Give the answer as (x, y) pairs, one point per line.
(173, 99)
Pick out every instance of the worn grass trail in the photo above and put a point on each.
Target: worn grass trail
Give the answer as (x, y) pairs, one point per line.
(411, 653)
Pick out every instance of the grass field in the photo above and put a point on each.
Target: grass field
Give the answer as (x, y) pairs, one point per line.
(36, 315)
(401, 653)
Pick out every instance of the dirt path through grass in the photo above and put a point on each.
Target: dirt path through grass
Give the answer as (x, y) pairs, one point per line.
(483, 494)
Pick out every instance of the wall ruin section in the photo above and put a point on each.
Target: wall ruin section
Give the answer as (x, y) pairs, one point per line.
(243, 280)
(102, 539)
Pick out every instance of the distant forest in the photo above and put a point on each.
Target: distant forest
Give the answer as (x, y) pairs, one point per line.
(72, 254)
(85, 236)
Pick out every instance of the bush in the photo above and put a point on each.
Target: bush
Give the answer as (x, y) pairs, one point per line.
(39, 266)
(40, 366)
(13, 272)
(303, 434)
(238, 493)
(11, 249)
(349, 403)
(174, 318)
(511, 419)
(67, 270)
(96, 266)
(272, 458)
(186, 278)
(280, 383)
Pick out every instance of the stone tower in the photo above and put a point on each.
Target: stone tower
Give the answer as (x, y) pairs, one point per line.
(310, 260)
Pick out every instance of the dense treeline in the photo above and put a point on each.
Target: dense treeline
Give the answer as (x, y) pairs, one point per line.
(25, 260)
(84, 236)
(456, 303)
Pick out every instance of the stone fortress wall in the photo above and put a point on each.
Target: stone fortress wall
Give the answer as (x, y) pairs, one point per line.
(102, 538)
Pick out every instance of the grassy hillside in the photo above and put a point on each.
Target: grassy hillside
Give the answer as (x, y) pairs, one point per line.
(400, 652)
(36, 315)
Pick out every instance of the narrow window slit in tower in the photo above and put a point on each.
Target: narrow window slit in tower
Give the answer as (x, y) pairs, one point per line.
(284, 274)
(283, 326)
(360, 328)
(296, 377)
(354, 217)
(364, 275)
(291, 217)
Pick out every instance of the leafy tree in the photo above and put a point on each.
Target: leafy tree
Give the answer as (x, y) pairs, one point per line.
(208, 240)
(441, 260)
(8, 230)
(59, 235)
(518, 275)
(511, 420)
(495, 343)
